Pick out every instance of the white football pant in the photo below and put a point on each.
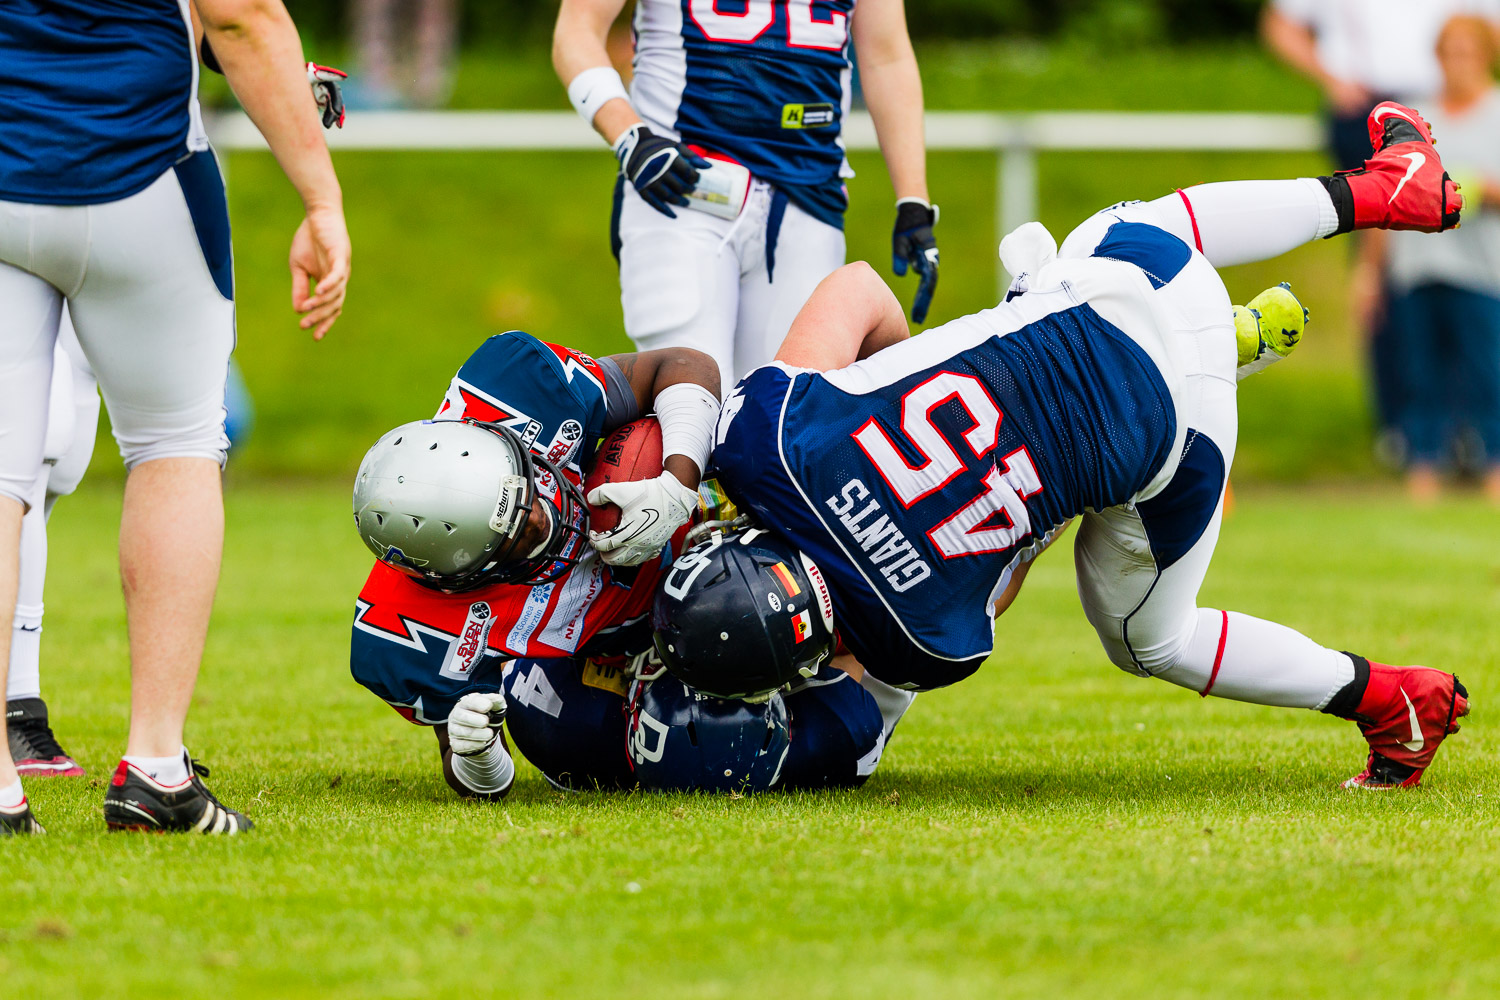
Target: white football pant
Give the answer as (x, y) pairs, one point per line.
(150, 320)
(72, 424)
(1147, 618)
(704, 282)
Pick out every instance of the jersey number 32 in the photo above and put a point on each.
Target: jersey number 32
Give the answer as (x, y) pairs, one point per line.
(994, 520)
(803, 29)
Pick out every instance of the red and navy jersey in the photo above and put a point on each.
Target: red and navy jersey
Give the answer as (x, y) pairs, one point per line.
(766, 82)
(421, 650)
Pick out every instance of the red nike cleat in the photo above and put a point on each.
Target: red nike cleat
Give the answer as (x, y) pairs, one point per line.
(1405, 714)
(1403, 185)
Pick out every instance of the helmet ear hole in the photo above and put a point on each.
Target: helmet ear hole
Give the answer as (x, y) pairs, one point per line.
(432, 447)
(416, 522)
(449, 528)
(379, 520)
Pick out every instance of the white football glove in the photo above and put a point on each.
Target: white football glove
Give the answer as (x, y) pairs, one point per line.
(650, 512)
(475, 722)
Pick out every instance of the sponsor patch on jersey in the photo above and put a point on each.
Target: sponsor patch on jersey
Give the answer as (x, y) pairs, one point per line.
(802, 625)
(565, 442)
(605, 677)
(808, 115)
(786, 579)
(472, 642)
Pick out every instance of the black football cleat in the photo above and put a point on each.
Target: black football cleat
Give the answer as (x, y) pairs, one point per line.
(18, 821)
(136, 801)
(32, 745)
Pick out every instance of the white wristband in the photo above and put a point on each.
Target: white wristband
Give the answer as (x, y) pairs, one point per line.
(687, 413)
(594, 88)
(489, 772)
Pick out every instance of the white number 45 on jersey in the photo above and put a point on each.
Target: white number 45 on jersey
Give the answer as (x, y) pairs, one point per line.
(991, 522)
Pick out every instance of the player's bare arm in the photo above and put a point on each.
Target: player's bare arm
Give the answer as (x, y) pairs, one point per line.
(257, 45)
(681, 386)
(851, 315)
(661, 169)
(892, 85)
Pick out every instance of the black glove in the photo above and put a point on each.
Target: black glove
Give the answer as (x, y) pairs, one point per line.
(912, 244)
(662, 171)
(328, 92)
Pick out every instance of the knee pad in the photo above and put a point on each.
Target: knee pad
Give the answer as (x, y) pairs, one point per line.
(1142, 651)
(567, 717)
(837, 733)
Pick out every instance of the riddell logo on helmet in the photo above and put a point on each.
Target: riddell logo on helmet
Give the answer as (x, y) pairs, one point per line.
(820, 587)
(472, 642)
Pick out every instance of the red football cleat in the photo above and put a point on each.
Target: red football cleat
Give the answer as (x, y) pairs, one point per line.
(1405, 715)
(1403, 185)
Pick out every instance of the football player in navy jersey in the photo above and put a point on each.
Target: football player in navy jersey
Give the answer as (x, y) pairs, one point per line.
(730, 205)
(922, 476)
(489, 598)
(110, 200)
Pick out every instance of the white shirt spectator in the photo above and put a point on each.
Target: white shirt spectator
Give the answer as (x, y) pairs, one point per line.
(1386, 46)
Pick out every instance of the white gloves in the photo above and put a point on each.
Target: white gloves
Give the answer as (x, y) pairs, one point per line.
(475, 722)
(650, 512)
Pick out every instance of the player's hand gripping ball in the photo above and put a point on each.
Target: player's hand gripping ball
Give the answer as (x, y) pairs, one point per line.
(634, 505)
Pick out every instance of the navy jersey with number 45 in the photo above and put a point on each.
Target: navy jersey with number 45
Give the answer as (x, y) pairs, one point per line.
(919, 478)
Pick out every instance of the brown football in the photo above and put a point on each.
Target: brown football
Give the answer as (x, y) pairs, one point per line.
(629, 454)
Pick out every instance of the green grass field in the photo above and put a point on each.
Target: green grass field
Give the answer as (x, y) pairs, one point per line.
(1050, 828)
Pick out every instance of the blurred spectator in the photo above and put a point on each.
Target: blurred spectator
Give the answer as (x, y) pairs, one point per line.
(404, 51)
(1362, 52)
(1445, 292)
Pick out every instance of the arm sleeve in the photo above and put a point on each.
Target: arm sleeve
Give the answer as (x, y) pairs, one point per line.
(620, 406)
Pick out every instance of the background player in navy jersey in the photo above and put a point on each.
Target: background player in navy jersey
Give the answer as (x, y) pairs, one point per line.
(467, 600)
(924, 477)
(111, 200)
(761, 90)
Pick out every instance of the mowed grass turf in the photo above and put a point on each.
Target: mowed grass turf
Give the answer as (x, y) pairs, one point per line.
(1049, 828)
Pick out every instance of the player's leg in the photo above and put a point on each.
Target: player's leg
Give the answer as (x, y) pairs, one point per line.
(838, 732)
(799, 252)
(679, 281)
(73, 417)
(1403, 186)
(155, 317)
(28, 327)
(1139, 572)
(567, 717)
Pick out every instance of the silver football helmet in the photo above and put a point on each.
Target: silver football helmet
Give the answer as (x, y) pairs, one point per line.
(447, 501)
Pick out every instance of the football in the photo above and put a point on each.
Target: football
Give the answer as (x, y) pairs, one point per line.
(628, 454)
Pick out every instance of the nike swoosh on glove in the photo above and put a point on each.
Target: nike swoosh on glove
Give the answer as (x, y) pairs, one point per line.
(475, 722)
(651, 511)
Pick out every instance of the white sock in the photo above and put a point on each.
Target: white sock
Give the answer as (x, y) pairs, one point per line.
(1236, 222)
(486, 773)
(24, 679)
(1249, 659)
(165, 770)
(11, 796)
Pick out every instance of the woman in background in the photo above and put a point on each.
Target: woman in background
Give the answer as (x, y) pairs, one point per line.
(1445, 307)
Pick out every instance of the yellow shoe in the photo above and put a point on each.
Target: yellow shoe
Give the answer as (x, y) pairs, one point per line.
(1273, 321)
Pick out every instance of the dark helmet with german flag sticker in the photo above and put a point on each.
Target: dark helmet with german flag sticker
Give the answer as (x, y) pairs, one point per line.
(742, 613)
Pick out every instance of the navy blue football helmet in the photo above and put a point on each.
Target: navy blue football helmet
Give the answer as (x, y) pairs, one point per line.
(742, 614)
(680, 740)
(567, 717)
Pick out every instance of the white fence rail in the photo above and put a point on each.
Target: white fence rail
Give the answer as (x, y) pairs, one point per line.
(1014, 139)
